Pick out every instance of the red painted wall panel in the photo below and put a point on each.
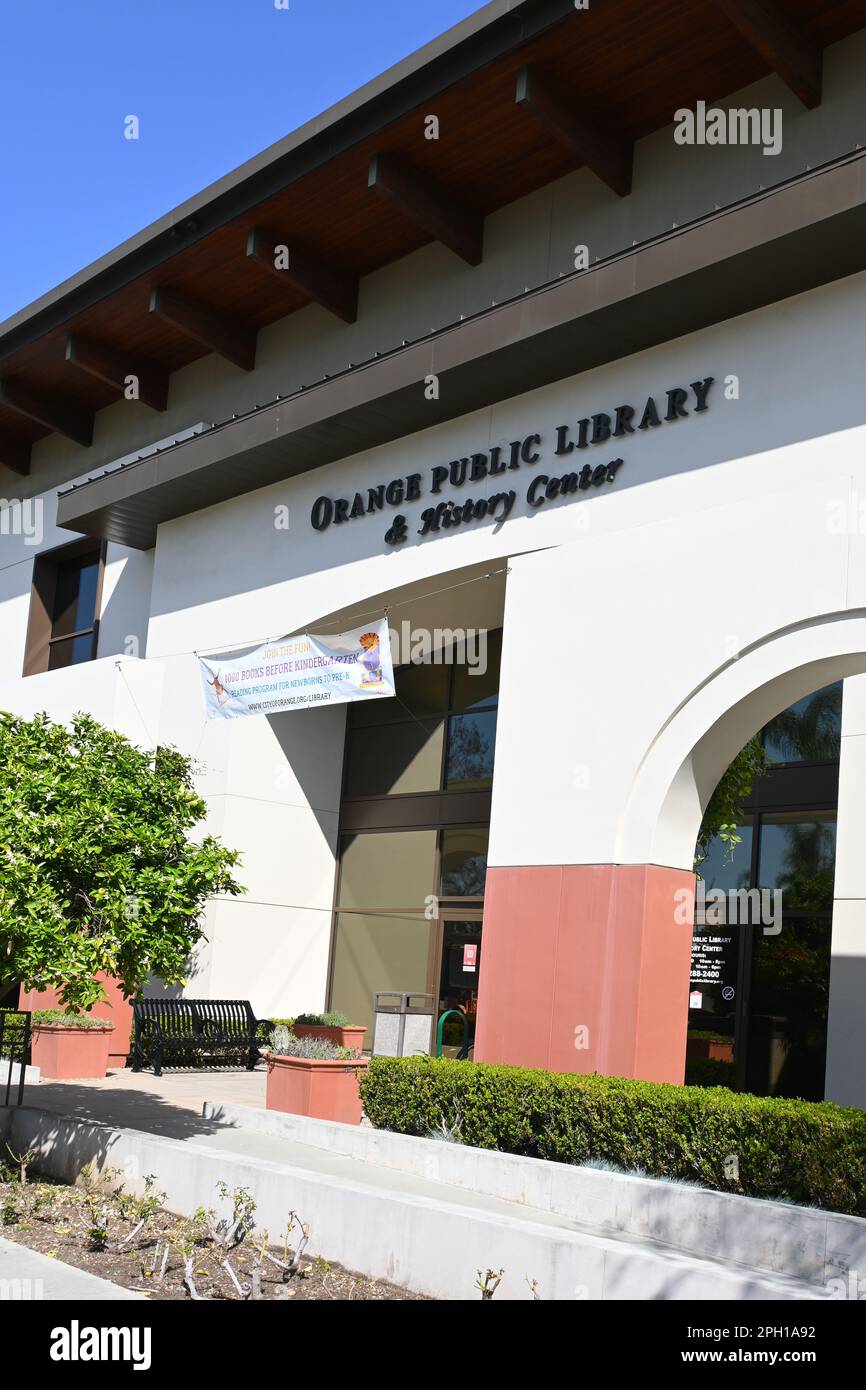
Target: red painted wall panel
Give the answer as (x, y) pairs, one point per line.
(585, 947)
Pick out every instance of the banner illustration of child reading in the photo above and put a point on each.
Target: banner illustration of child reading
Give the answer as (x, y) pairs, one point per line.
(371, 660)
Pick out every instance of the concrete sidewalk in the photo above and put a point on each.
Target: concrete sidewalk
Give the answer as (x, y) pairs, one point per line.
(170, 1104)
(26, 1276)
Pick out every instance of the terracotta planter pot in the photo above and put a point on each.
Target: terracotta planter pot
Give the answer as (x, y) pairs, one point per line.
(710, 1050)
(70, 1054)
(114, 1008)
(350, 1035)
(323, 1090)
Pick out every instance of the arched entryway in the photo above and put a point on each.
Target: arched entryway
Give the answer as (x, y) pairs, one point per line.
(588, 964)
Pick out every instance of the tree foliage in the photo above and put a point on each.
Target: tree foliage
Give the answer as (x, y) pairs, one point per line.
(809, 730)
(724, 813)
(98, 869)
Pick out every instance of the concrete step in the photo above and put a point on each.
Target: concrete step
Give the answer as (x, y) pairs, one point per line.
(426, 1235)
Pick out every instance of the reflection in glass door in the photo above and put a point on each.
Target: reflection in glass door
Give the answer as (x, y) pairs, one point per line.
(714, 1044)
(760, 985)
(760, 988)
(459, 969)
(789, 981)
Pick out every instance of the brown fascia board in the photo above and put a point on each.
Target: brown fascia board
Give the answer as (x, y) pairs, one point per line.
(777, 244)
(490, 33)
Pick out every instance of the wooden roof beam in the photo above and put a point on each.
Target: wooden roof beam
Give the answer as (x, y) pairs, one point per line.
(606, 154)
(52, 414)
(333, 289)
(232, 339)
(782, 42)
(15, 455)
(429, 205)
(110, 367)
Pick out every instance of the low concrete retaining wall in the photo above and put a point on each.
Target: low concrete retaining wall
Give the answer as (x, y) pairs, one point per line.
(415, 1231)
(801, 1242)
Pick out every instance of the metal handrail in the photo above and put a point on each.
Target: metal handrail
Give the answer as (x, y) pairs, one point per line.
(14, 1048)
(464, 1050)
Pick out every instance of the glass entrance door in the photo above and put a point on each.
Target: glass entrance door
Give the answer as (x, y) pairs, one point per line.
(459, 969)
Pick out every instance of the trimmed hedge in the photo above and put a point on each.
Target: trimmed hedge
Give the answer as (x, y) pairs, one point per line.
(786, 1150)
(706, 1071)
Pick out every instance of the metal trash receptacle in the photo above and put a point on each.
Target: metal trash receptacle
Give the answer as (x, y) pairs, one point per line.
(402, 1024)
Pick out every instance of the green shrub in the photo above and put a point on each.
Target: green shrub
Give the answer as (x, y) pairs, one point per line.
(707, 1071)
(267, 1026)
(329, 1020)
(285, 1044)
(57, 1018)
(786, 1150)
(12, 1030)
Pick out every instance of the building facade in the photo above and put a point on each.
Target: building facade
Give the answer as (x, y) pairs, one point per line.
(507, 350)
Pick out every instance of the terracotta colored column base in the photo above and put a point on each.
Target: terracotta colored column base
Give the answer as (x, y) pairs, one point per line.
(585, 968)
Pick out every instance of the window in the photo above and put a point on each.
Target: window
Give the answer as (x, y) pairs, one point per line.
(64, 607)
(382, 937)
(385, 935)
(415, 822)
(388, 870)
(463, 862)
(439, 733)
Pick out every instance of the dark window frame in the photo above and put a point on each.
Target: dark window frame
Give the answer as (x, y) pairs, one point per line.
(43, 599)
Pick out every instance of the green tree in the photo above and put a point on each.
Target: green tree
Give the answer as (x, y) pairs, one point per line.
(98, 867)
(809, 730)
(724, 813)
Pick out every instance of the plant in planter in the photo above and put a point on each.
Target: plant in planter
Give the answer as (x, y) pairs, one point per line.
(709, 1046)
(70, 1046)
(311, 1076)
(332, 1027)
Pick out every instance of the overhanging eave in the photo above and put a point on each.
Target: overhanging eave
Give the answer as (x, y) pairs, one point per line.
(809, 232)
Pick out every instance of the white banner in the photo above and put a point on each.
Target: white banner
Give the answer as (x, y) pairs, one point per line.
(300, 672)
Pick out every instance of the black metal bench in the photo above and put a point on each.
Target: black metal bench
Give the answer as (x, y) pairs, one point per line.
(195, 1028)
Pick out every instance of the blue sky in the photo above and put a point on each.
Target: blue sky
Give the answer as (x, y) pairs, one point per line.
(212, 82)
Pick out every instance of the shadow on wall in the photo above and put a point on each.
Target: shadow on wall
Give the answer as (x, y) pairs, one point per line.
(313, 753)
(845, 1082)
(63, 1122)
